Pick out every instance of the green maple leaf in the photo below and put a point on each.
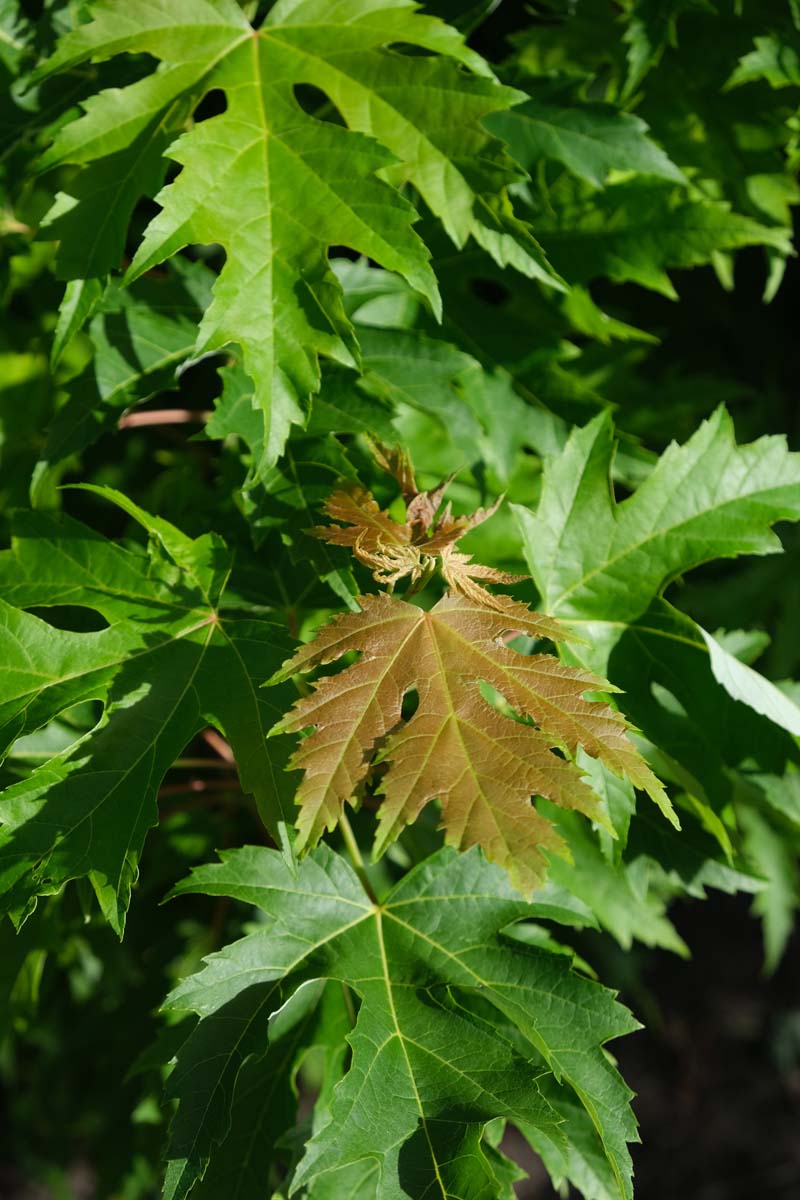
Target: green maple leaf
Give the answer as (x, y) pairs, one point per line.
(170, 662)
(277, 187)
(594, 559)
(652, 28)
(140, 336)
(603, 567)
(589, 139)
(775, 59)
(458, 1024)
(634, 232)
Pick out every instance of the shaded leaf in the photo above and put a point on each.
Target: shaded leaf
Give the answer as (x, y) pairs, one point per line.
(634, 233)
(167, 665)
(775, 857)
(591, 140)
(140, 338)
(653, 27)
(427, 1057)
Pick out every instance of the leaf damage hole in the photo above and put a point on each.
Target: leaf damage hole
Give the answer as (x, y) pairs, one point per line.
(410, 50)
(213, 104)
(410, 704)
(73, 618)
(317, 104)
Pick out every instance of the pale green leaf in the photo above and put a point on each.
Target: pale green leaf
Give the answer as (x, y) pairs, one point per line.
(699, 736)
(275, 186)
(743, 683)
(774, 857)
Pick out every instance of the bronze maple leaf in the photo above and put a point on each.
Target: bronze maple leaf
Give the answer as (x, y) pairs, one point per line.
(426, 539)
(482, 765)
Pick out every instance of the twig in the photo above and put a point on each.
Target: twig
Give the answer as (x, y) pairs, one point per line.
(200, 764)
(218, 744)
(164, 416)
(198, 785)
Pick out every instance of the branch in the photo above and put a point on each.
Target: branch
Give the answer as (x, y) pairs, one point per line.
(164, 416)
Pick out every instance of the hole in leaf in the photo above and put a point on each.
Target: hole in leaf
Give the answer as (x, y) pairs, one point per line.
(259, 16)
(73, 618)
(409, 50)
(213, 104)
(346, 252)
(316, 103)
(530, 645)
(410, 704)
(498, 701)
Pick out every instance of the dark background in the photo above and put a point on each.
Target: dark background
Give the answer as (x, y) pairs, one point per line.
(717, 1070)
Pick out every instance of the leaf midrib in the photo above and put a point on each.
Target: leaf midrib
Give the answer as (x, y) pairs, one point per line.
(456, 721)
(366, 709)
(401, 1040)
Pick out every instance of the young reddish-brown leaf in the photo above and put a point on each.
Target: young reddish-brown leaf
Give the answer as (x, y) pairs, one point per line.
(395, 461)
(393, 550)
(460, 573)
(484, 766)
(364, 523)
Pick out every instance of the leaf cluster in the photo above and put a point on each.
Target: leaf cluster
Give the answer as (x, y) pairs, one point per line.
(345, 318)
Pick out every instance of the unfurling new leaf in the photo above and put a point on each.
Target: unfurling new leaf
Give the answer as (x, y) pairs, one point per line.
(483, 765)
(414, 548)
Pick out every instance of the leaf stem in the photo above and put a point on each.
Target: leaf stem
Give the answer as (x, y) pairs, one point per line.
(355, 856)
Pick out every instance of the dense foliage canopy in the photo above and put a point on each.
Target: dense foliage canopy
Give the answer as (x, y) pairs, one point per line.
(362, 336)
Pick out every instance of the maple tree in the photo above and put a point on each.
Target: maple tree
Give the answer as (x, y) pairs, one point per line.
(387, 397)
